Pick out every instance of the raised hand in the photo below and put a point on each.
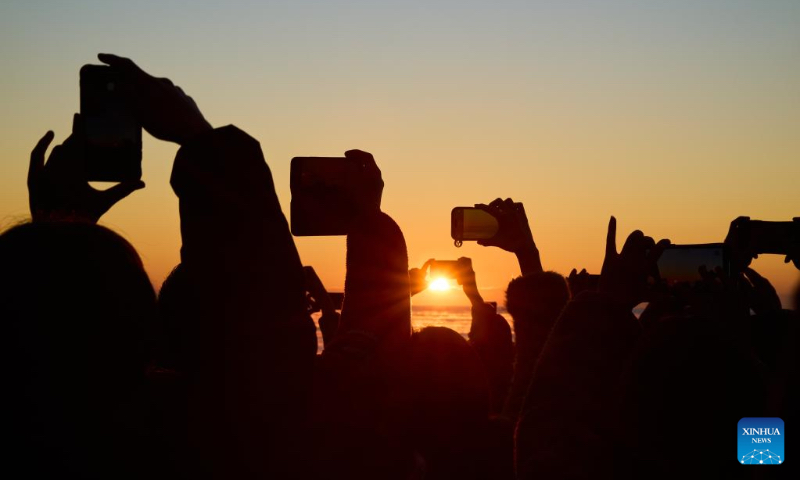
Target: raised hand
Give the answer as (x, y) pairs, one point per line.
(368, 196)
(580, 282)
(58, 190)
(738, 244)
(417, 278)
(163, 109)
(793, 256)
(513, 234)
(624, 274)
(466, 278)
(764, 298)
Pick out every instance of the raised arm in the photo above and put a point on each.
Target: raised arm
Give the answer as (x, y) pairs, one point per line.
(514, 234)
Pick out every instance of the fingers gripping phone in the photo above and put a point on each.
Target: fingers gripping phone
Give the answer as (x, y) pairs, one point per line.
(113, 136)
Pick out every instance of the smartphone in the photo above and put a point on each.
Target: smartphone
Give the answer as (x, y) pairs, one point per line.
(113, 136)
(322, 195)
(444, 268)
(773, 237)
(470, 223)
(681, 263)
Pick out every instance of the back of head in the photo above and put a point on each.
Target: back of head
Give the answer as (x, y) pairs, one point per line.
(77, 309)
(535, 301)
(448, 386)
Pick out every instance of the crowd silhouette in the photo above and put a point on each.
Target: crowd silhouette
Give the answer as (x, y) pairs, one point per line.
(217, 375)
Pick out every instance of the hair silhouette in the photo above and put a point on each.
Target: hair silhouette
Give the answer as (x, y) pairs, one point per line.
(78, 313)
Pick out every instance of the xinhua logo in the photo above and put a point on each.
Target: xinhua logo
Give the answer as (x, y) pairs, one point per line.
(761, 441)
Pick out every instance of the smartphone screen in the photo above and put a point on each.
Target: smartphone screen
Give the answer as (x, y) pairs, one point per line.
(321, 195)
(469, 223)
(444, 268)
(113, 136)
(681, 263)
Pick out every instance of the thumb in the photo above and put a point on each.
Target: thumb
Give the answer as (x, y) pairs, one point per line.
(611, 238)
(124, 64)
(755, 278)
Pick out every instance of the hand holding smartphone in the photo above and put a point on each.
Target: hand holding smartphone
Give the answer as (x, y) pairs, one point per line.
(748, 238)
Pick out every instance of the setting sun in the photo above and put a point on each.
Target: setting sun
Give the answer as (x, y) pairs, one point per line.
(441, 284)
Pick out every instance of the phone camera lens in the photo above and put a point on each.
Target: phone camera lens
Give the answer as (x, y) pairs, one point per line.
(110, 86)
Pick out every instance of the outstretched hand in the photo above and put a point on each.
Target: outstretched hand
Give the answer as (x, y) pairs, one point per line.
(624, 274)
(417, 280)
(466, 278)
(738, 244)
(513, 233)
(162, 108)
(581, 281)
(368, 196)
(58, 190)
(793, 256)
(763, 297)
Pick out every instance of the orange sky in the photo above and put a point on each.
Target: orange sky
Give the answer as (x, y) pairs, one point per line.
(676, 117)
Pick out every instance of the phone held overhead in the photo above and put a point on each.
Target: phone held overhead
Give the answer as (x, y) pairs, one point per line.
(113, 137)
(472, 224)
(328, 193)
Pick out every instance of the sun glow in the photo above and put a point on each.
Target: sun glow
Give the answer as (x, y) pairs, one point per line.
(440, 284)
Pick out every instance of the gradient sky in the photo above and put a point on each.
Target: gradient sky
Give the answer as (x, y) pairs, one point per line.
(675, 116)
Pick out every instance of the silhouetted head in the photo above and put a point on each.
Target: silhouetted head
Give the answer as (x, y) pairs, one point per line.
(534, 302)
(77, 308)
(446, 397)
